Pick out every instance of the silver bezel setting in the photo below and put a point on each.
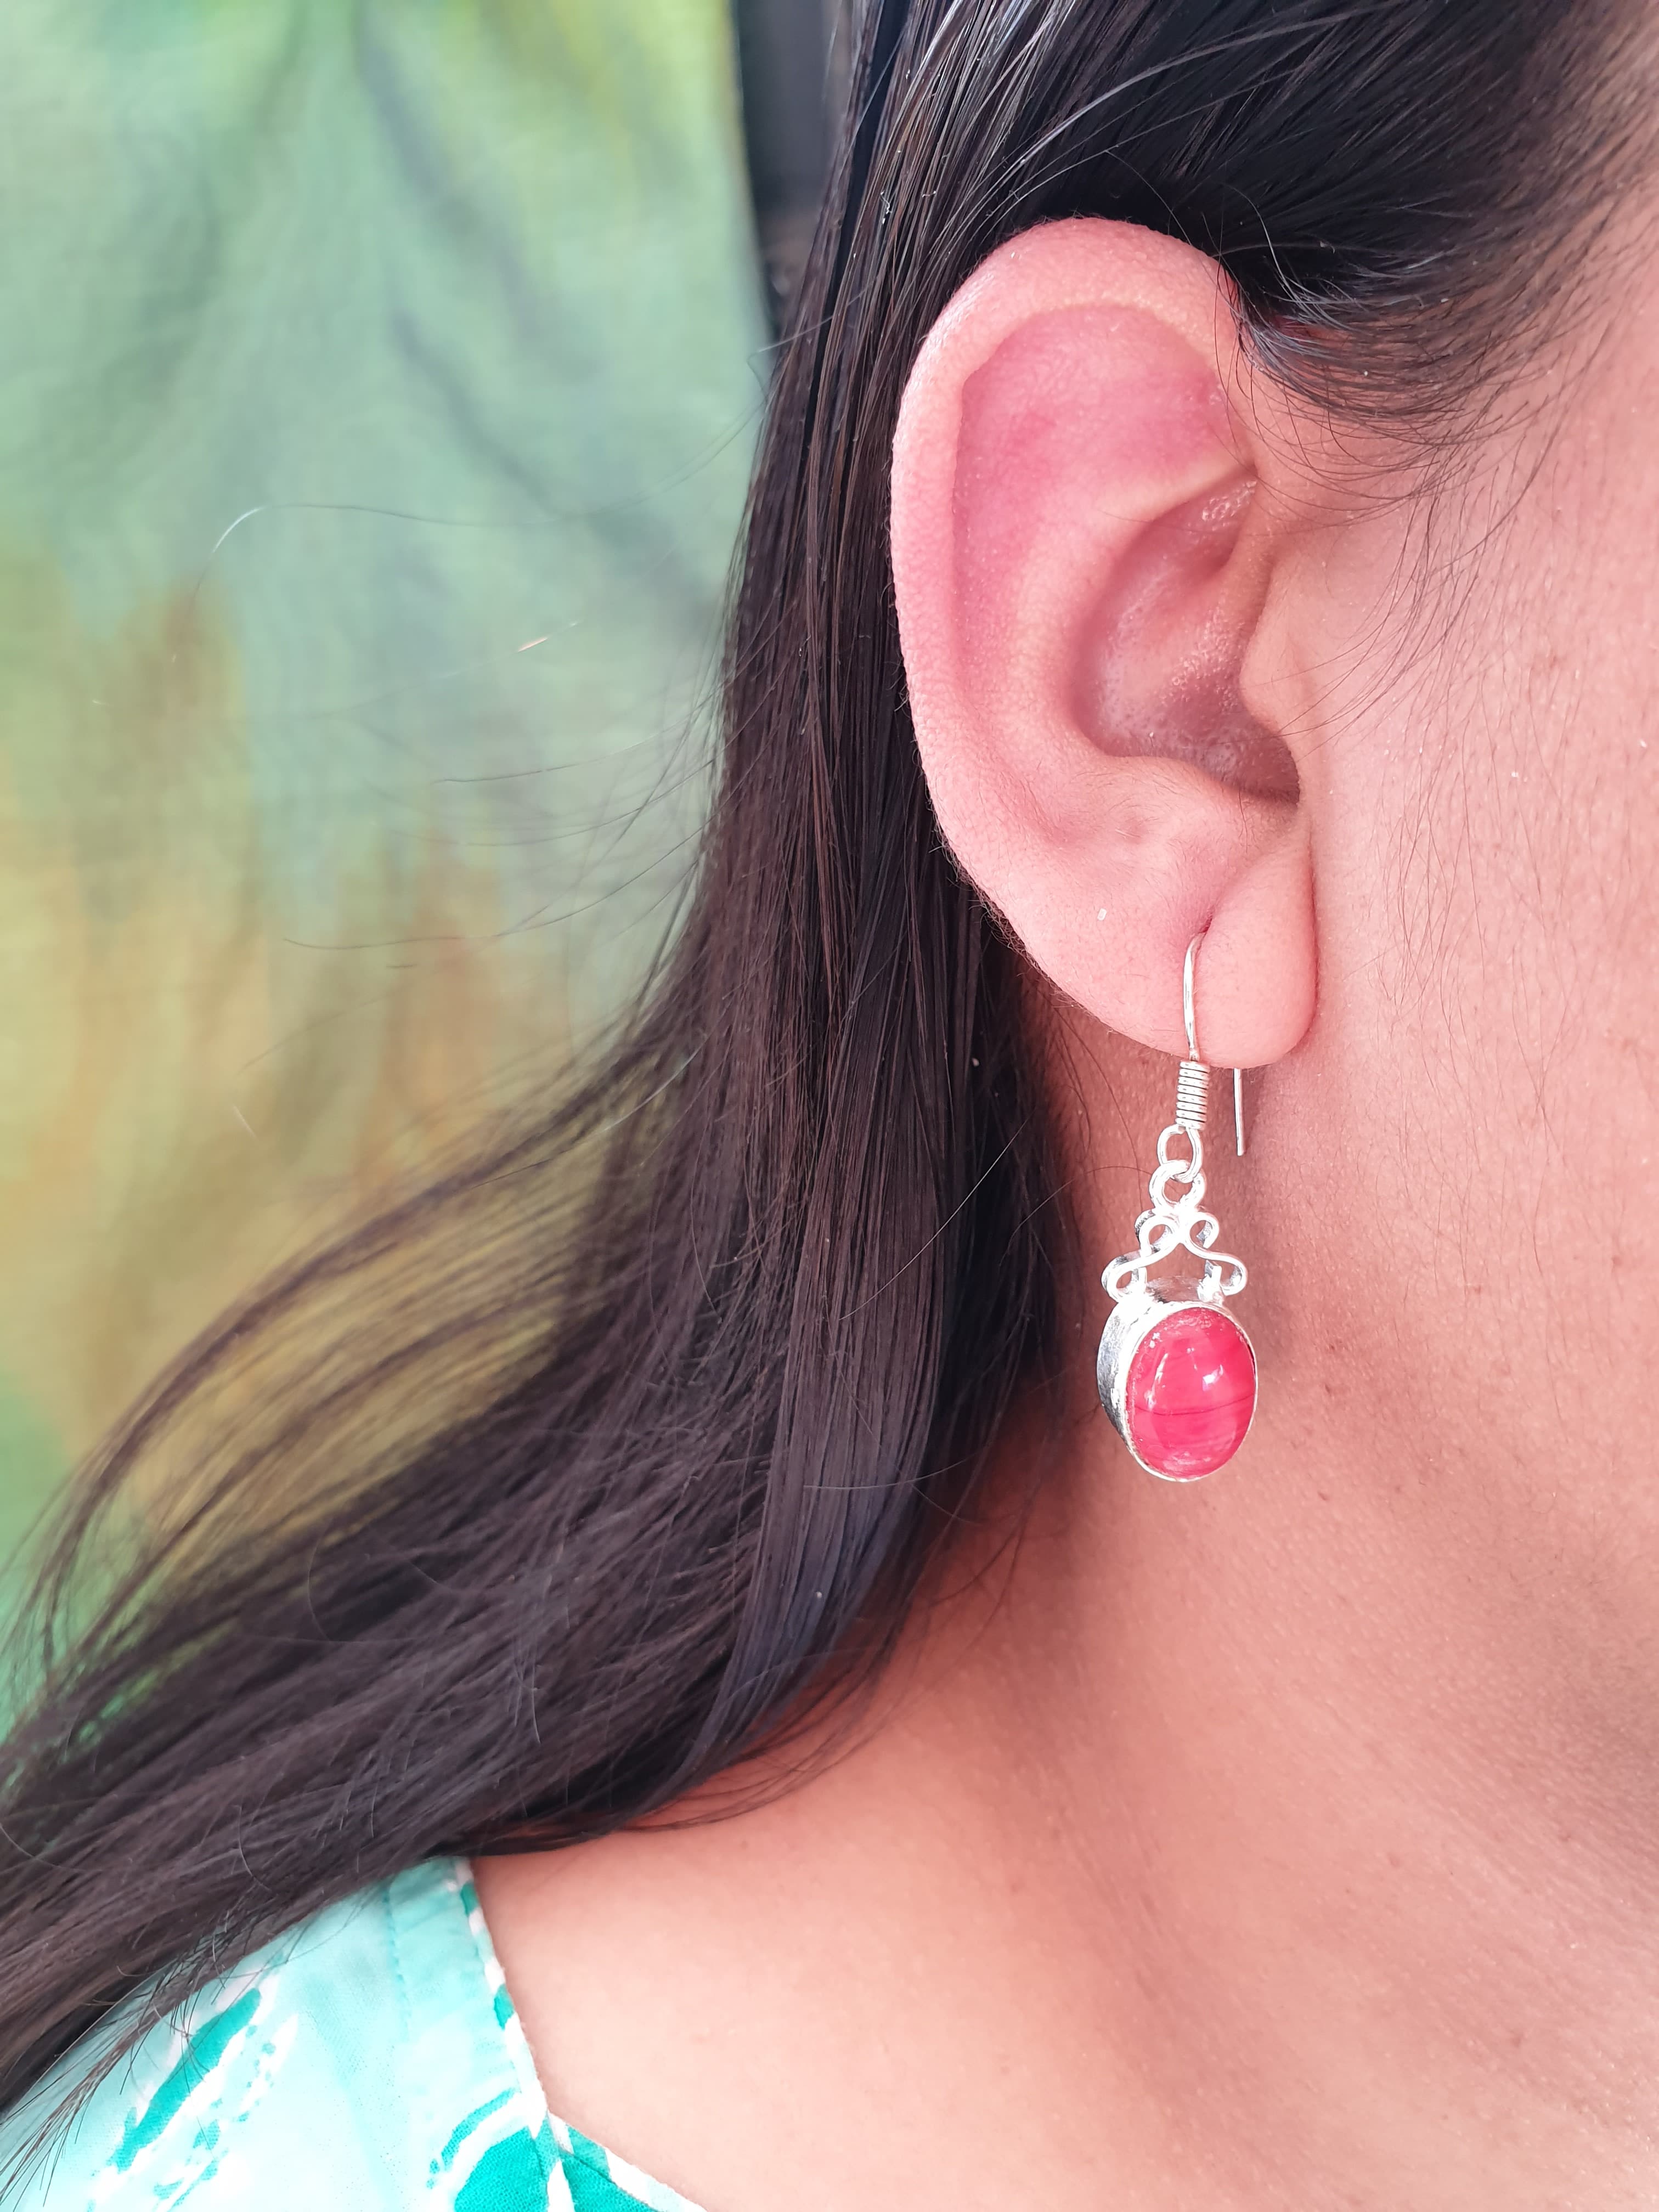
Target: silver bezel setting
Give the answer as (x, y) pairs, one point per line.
(1128, 1325)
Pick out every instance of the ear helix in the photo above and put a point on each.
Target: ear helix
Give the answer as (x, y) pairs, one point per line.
(1177, 1373)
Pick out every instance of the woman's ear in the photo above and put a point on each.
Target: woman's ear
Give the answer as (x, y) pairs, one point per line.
(1082, 560)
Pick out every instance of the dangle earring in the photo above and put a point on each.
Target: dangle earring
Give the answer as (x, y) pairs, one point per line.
(1176, 1372)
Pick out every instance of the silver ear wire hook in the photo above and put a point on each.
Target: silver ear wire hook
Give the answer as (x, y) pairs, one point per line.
(1187, 974)
(1195, 1057)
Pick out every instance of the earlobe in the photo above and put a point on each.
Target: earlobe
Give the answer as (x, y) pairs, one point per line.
(1081, 559)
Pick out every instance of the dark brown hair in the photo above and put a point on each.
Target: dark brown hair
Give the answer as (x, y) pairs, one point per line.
(553, 1493)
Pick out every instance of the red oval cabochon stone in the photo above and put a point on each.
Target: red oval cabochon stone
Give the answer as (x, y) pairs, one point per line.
(1191, 1394)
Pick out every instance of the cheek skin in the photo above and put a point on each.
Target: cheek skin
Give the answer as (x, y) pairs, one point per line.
(1478, 1188)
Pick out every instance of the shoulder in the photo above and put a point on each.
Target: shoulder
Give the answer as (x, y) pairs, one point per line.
(369, 2058)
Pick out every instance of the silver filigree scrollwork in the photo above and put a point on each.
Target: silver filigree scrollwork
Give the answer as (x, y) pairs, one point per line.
(1176, 1220)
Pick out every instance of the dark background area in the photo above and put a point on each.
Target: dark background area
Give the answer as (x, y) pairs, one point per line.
(793, 58)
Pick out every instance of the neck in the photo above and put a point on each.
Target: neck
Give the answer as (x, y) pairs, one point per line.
(1366, 1859)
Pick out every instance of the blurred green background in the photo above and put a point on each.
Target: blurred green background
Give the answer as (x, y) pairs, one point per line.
(378, 387)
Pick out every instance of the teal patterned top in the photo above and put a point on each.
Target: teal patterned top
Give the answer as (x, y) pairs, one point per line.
(369, 2061)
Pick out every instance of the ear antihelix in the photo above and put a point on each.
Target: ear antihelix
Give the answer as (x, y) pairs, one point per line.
(1177, 1373)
